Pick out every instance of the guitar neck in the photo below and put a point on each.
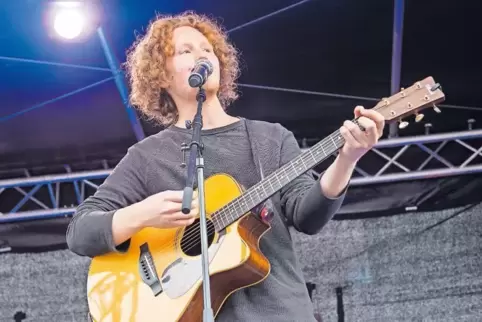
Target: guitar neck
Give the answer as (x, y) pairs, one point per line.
(408, 101)
(277, 180)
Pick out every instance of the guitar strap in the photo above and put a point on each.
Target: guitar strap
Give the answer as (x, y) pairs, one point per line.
(265, 210)
(259, 154)
(254, 150)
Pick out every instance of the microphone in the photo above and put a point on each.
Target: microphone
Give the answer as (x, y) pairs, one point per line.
(200, 73)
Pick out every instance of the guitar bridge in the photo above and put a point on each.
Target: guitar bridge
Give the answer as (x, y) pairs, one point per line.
(147, 270)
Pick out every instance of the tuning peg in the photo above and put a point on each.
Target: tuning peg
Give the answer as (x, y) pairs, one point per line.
(435, 87)
(428, 126)
(418, 117)
(436, 109)
(470, 123)
(403, 124)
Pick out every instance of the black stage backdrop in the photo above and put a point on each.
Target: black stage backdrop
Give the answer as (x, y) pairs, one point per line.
(406, 267)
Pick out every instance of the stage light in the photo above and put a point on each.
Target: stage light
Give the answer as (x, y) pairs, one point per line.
(69, 22)
(72, 20)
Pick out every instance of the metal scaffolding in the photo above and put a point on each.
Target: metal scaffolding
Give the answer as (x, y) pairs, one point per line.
(43, 193)
(48, 196)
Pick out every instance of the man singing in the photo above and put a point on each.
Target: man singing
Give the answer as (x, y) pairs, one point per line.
(145, 188)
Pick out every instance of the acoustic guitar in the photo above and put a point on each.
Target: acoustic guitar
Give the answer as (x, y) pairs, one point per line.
(159, 278)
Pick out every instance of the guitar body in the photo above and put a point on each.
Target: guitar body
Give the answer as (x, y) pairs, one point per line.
(160, 277)
(117, 292)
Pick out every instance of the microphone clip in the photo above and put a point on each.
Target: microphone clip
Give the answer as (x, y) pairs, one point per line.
(185, 148)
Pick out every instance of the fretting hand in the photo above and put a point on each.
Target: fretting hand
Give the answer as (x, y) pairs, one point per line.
(358, 142)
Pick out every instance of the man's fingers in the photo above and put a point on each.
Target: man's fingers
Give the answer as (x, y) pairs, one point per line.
(179, 216)
(377, 118)
(179, 223)
(183, 222)
(349, 138)
(169, 207)
(358, 110)
(353, 133)
(195, 203)
(173, 195)
(177, 195)
(374, 115)
(371, 131)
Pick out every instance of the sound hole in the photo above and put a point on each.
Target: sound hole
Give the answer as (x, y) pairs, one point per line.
(191, 239)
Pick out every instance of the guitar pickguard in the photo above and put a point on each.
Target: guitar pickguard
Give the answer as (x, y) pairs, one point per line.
(181, 275)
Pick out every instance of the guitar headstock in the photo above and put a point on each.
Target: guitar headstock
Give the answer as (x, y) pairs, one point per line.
(411, 100)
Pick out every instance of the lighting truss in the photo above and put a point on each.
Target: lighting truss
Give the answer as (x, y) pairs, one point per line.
(421, 157)
(392, 160)
(50, 195)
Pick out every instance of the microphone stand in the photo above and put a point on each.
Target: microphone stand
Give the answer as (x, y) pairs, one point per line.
(196, 161)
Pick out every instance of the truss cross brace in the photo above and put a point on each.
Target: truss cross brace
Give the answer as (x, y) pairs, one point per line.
(33, 204)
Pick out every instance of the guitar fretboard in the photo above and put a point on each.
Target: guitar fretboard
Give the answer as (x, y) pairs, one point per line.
(277, 180)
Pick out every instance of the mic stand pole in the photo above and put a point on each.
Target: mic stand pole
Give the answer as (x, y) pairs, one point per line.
(196, 161)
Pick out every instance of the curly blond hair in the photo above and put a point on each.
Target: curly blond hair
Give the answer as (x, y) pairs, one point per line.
(146, 65)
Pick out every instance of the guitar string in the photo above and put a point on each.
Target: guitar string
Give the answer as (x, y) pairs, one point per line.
(195, 228)
(269, 185)
(232, 206)
(191, 238)
(285, 171)
(257, 186)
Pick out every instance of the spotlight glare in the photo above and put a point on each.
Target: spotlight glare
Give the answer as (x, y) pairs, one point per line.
(69, 23)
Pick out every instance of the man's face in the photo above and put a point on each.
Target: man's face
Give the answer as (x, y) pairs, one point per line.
(189, 46)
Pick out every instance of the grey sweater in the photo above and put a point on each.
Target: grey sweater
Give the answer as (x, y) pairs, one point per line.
(238, 149)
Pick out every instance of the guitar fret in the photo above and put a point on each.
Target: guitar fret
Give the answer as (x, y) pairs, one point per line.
(270, 185)
(293, 166)
(303, 162)
(251, 197)
(322, 150)
(276, 181)
(264, 190)
(312, 156)
(283, 177)
(287, 174)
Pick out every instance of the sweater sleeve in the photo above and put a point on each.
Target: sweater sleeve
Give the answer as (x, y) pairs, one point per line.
(302, 201)
(90, 231)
